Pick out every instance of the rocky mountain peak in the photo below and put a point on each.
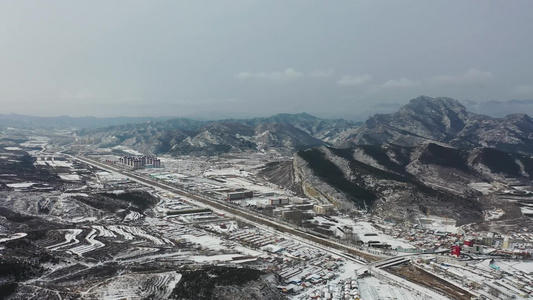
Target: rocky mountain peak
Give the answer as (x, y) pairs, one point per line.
(285, 132)
(444, 120)
(433, 106)
(518, 117)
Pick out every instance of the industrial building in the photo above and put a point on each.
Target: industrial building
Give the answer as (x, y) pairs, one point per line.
(279, 201)
(323, 209)
(138, 162)
(239, 195)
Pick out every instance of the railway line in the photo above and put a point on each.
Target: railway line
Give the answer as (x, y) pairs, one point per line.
(350, 253)
(360, 256)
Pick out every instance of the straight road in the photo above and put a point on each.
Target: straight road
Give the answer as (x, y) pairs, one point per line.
(247, 216)
(347, 252)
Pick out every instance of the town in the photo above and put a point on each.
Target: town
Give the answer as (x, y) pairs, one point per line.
(318, 251)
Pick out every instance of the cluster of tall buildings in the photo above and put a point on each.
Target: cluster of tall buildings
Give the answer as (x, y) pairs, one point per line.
(138, 162)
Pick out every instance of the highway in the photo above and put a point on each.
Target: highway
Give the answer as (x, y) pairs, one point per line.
(245, 215)
(350, 253)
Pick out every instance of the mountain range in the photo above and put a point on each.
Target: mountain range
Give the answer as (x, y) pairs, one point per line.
(66, 122)
(428, 156)
(422, 120)
(399, 182)
(284, 132)
(447, 121)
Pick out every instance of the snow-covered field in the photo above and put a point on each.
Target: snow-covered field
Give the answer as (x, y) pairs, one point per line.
(373, 289)
(53, 162)
(70, 177)
(483, 187)
(127, 150)
(21, 185)
(438, 224)
(105, 176)
(506, 276)
(76, 245)
(147, 286)
(366, 231)
(70, 239)
(493, 214)
(13, 236)
(526, 210)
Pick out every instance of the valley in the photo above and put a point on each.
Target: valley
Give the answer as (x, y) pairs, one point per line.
(85, 218)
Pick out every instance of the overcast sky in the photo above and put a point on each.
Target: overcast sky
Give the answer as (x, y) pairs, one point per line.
(256, 58)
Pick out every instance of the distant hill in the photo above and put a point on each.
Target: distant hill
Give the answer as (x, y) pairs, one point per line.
(421, 158)
(66, 122)
(400, 183)
(285, 132)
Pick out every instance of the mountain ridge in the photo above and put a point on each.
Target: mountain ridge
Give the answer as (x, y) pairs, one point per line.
(444, 120)
(399, 182)
(286, 132)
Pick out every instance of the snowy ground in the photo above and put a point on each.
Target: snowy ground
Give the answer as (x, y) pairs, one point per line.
(21, 185)
(152, 286)
(508, 277)
(438, 224)
(53, 162)
(483, 187)
(211, 238)
(372, 288)
(104, 176)
(70, 177)
(493, 214)
(127, 150)
(13, 236)
(514, 266)
(526, 210)
(365, 231)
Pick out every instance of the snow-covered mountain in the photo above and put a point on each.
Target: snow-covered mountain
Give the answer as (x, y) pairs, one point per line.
(68, 123)
(399, 182)
(424, 119)
(444, 120)
(285, 132)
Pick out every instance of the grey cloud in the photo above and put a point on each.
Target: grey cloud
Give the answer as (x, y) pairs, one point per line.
(322, 73)
(400, 83)
(354, 80)
(192, 57)
(524, 90)
(278, 76)
(472, 76)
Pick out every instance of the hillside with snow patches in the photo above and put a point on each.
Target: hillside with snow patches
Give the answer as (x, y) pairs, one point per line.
(428, 155)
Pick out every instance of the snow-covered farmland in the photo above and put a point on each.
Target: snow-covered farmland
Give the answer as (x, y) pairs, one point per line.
(148, 286)
(21, 184)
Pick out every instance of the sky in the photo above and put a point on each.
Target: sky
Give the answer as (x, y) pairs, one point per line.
(247, 58)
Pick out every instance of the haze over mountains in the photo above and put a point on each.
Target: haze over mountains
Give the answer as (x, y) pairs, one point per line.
(432, 159)
(445, 120)
(66, 122)
(424, 155)
(424, 119)
(287, 132)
